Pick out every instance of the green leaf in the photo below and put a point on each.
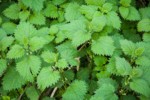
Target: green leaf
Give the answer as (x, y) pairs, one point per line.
(47, 77)
(143, 61)
(128, 47)
(146, 37)
(12, 80)
(32, 93)
(36, 5)
(125, 3)
(137, 72)
(15, 52)
(145, 12)
(53, 30)
(24, 15)
(24, 31)
(98, 23)
(105, 92)
(62, 63)
(95, 2)
(68, 52)
(76, 41)
(123, 67)
(36, 43)
(103, 46)
(6, 42)
(140, 86)
(3, 66)
(144, 25)
(76, 91)
(107, 7)
(58, 2)
(12, 11)
(29, 67)
(88, 10)
(113, 20)
(78, 27)
(51, 11)
(0, 20)
(104, 81)
(124, 12)
(37, 19)
(49, 57)
(9, 27)
(133, 14)
(72, 12)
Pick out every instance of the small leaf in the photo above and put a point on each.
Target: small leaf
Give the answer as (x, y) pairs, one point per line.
(35, 5)
(98, 23)
(128, 47)
(36, 43)
(47, 77)
(146, 37)
(3, 66)
(16, 51)
(133, 14)
(37, 18)
(72, 12)
(12, 11)
(105, 92)
(6, 42)
(76, 91)
(62, 63)
(49, 57)
(113, 20)
(51, 11)
(103, 46)
(144, 25)
(124, 12)
(24, 15)
(9, 27)
(32, 93)
(123, 67)
(125, 3)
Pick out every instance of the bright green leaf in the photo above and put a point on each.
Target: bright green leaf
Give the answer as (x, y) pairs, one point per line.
(103, 46)
(47, 77)
(16, 51)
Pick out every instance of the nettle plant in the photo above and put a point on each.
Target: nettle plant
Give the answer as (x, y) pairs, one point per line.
(74, 50)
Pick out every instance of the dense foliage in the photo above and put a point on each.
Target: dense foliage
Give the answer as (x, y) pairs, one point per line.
(74, 50)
